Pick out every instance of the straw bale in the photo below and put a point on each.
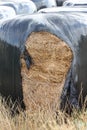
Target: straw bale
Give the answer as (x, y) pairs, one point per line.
(43, 82)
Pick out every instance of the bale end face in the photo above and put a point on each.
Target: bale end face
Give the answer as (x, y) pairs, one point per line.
(42, 83)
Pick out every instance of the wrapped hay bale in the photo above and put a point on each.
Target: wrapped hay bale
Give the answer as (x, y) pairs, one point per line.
(43, 82)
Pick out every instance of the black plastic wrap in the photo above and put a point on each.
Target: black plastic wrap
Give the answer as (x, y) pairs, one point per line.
(20, 7)
(63, 9)
(44, 3)
(60, 2)
(70, 27)
(7, 12)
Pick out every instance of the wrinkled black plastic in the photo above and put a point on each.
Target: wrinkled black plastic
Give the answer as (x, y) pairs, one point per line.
(44, 3)
(60, 2)
(63, 9)
(70, 27)
(7, 12)
(20, 7)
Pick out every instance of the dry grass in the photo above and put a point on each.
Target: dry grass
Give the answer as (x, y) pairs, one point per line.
(42, 119)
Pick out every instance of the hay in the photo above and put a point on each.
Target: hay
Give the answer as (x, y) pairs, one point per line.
(43, 82)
